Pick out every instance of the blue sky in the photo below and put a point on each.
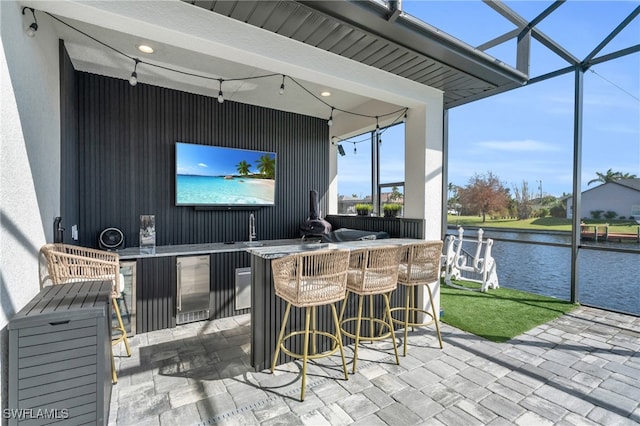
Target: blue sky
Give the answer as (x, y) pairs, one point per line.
(527, 134)
(205, 160)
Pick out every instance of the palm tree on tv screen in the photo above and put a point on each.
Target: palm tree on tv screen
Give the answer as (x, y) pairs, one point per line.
(243, 168)
(267, 166)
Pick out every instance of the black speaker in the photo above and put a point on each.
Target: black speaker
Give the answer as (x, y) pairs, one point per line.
(111, 239)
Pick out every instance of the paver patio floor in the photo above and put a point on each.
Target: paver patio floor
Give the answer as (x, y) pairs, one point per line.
(582, 368)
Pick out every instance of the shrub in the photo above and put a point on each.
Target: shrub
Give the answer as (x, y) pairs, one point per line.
(392, 209)
(558, 212)
(596, 214)
(364, 209)
(542, 212)
(610, 214)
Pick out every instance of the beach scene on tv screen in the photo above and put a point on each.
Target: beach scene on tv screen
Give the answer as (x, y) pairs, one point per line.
(213, 175)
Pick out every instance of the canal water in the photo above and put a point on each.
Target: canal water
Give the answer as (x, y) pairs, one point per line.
(609, 280)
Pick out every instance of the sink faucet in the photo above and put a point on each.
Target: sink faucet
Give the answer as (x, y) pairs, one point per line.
(252, 227)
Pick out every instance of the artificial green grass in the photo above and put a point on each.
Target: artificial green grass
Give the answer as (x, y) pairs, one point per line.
(499, 314)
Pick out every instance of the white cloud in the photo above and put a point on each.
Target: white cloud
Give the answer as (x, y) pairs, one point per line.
(202, 165)
(518, 146)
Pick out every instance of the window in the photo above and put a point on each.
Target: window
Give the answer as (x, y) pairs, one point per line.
(356, 169)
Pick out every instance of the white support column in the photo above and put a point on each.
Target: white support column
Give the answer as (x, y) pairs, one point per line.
(333, 180)
(423, 195)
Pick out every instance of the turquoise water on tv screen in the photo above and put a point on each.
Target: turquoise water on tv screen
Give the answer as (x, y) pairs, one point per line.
(229, 190)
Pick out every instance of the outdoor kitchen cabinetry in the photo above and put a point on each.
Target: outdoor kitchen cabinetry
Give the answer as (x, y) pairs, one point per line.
(157, 289)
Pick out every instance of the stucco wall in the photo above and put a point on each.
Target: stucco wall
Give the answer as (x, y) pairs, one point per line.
(29, 159)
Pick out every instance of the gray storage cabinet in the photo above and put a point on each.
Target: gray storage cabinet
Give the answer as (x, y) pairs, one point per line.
(59, 356)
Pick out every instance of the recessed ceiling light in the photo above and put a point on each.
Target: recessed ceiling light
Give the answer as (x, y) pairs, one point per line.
(145, 49)
(325, 94)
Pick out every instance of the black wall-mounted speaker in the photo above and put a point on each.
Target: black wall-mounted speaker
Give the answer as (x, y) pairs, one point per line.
(111, 239)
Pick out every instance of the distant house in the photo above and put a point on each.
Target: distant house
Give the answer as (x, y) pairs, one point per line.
(621, 196)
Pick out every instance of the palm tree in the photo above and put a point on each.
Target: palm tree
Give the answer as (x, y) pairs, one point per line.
(610, 176)
(243, 168)
(267, 166)
(627, 176)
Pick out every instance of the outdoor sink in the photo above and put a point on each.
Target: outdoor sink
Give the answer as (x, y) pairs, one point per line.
(313, 246)
(253, 243)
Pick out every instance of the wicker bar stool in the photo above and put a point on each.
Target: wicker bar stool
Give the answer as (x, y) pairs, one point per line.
(308, 280)
(419, 265)
(68, 263)
(372, 271)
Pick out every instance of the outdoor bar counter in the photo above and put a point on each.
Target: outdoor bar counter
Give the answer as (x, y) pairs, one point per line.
(267, 310)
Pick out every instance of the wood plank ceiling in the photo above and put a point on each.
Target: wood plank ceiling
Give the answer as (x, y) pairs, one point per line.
(370, 33)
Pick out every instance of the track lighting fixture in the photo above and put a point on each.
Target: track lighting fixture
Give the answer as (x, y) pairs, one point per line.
(133, 80)
(31, 29)
(355, 149)
(341, 150)
(220, 96)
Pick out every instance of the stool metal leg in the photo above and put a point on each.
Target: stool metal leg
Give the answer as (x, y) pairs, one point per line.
(371, 317)
(387, 313)
(121, 328)
(339, 339)
(313, 330)
(435, 318)
(305, 350)
(122, 338)
(406, 320)
(355, 350)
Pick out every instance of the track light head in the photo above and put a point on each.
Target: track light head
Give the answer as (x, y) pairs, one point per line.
(31, 29)
(220, 95)
(282, 86)
(330, 121)
(133, 80)
(341, 150)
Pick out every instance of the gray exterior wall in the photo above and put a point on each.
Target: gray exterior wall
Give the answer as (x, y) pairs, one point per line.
(607, 197)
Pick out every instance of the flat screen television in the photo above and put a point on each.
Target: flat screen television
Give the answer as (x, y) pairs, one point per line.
(218, 176)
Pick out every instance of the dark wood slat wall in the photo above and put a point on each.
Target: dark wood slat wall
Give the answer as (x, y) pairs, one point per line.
(223, 268)
(155, 293)
(69, 181)
(126, 167)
